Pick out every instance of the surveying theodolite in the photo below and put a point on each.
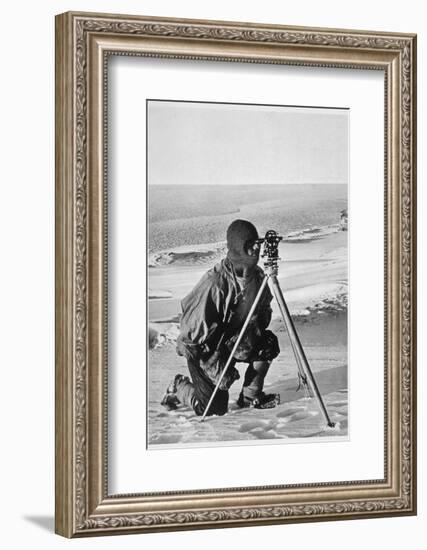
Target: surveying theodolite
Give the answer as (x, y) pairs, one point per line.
(305, 376)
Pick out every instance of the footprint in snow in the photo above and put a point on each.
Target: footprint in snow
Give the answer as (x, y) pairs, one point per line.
(302, 415)
(288, 412)
(252, 425)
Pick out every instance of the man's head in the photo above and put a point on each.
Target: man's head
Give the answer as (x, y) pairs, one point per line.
(243, 251)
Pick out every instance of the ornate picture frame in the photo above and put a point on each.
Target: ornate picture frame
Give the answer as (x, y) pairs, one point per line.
(84, 43)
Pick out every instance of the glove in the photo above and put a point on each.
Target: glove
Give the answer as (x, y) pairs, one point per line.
(270, 347)
(213, 367)
(255, 345)
(248, 344)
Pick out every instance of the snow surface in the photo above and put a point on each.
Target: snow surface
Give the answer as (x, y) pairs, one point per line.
(313, 276)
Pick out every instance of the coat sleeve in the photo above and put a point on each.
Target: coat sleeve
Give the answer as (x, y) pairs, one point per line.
(201, 321)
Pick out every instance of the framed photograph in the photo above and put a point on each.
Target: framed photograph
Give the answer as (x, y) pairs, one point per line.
(235, 274)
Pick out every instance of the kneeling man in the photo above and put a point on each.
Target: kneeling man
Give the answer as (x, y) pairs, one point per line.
(213, 314)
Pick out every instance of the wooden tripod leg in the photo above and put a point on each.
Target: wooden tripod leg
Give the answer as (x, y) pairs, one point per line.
(296, 344)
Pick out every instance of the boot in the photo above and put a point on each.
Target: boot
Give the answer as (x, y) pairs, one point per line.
(252, 394)
(170, 400)
(263, 401)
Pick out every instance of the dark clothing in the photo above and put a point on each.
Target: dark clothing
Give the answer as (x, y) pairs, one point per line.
(196, 394)
(241, 234)
(213, 314)
(208, 310)
(247, 294)
(254, 378)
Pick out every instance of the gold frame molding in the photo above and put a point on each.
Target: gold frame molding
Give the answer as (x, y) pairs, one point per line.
(83, 43)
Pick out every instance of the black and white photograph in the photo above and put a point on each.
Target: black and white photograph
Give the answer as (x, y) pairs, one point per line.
(214, 250)
(248, 293)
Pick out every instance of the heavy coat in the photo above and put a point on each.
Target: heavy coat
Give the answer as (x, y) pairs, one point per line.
(208, 309)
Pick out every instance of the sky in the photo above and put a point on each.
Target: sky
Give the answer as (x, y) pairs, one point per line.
(231, 144)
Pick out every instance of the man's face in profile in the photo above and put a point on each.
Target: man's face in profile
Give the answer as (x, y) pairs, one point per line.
(254, 249)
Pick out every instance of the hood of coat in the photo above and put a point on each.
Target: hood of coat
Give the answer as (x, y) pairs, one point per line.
(241, 235)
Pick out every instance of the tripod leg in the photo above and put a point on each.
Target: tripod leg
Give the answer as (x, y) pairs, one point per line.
(296, 345)
(236, 345)
(302, 378)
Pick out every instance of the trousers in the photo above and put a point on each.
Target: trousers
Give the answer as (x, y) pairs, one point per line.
(197, 392)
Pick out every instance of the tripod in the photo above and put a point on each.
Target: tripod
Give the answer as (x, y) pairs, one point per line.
(306, 379)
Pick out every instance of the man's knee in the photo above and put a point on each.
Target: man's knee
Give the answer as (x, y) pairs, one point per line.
(269, 348)
(219, 405)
